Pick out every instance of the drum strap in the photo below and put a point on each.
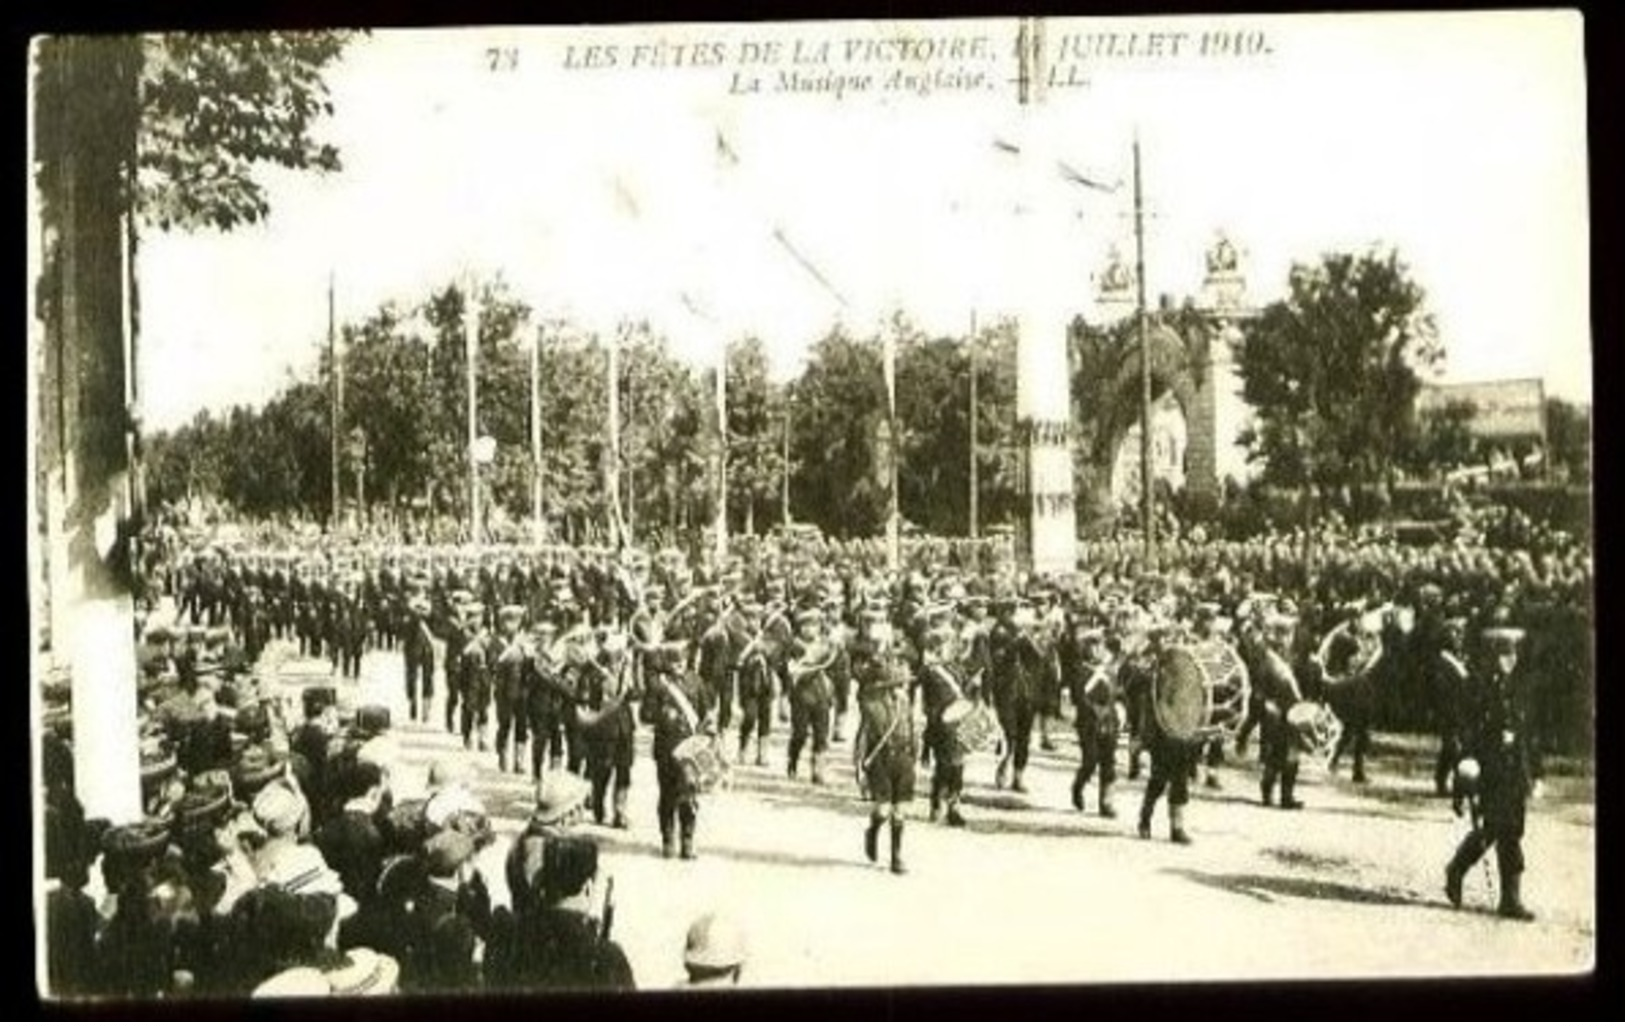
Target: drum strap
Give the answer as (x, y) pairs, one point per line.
(891, 728)
(1455, 664)
(684, 706)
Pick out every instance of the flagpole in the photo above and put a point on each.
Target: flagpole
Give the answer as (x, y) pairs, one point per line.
(893, 527)
(537, 531)
(722, 454)
(975, 480)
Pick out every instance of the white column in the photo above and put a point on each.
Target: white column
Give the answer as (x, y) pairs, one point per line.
(1043, 376)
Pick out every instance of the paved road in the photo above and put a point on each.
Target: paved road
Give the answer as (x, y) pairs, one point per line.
(1032, 892)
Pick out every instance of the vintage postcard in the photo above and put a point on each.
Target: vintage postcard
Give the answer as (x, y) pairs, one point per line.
(832, 504)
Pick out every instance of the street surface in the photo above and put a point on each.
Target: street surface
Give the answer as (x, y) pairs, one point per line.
(1032, 892)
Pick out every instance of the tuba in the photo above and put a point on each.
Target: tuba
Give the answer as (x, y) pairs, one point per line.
(1348, 654)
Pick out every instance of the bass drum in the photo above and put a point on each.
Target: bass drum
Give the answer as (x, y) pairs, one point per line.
(1199, 692)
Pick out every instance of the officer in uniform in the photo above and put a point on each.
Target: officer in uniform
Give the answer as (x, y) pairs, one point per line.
(1020, 661)
(887, 745)
(1497, 738)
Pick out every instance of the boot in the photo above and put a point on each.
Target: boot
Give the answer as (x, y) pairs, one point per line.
(1176, 825)
(1134, 753)
(871, 837)
(761, 753)
(954, 819)
(502, 758)
(687, 817)
(1144, 828)
(621, 822)
(743, 748)
(897, 846)
(1001, 776)
(1107, 809)
(598, 795)
(1266, 786)
(817, 770)
(668, 845)
(840, 728)
(1016, 785)
(1077, 790)
(1211, 782)
(1289, 781)
(1453, 875)
(1511, 900)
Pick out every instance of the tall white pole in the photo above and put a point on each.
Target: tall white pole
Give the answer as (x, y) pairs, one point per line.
(722, 454)
(471, 340)
(613, 470)
(893, 516)
(537, 529)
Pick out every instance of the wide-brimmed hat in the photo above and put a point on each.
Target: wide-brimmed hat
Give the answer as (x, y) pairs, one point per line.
(559, 794)
(365, 973)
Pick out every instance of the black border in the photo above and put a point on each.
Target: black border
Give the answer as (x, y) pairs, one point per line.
(1570, 997)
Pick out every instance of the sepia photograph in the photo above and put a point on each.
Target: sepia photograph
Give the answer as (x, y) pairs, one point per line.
(833, 504)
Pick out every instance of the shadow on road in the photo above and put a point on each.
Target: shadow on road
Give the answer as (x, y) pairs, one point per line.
(635, 844)
(1267, 887)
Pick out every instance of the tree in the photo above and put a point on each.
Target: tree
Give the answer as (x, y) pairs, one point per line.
(839, 407)
(214, 107)
(1333, 370)
(1568, 438)
(756, 410)
(1444, 438)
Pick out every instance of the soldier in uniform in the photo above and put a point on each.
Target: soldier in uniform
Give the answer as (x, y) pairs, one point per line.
(605, 699)
(716, 662)
(1092, 681)
(419, 651)
(512, 682)
(886, 746)
(1497, 737)
(1172, 762)
(1448, 678)
(941, 685)
(811, 695)
(1019, 663)
(548, 701)
(756, 686)
(679, 706)
(474, 673)
(1276, 681)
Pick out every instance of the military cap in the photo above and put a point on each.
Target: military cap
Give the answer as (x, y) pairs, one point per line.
(511, 614)
(364, 972)
(202, 806)
(139, 841)
(1503, 639)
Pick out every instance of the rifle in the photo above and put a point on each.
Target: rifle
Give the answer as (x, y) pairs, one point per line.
(607, 921)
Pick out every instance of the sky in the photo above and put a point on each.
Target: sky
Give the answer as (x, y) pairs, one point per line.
(599, 194)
